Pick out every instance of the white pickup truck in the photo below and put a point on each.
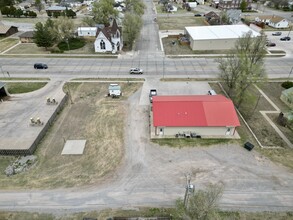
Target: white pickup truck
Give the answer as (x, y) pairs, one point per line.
(153, 92)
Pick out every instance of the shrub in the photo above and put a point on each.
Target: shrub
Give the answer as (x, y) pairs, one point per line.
(287, 84)
(56, 50)
(74, 43)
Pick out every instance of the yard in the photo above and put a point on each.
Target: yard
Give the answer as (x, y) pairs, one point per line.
(179, 23)
(255, 102)
(90, 116)
(7, 43)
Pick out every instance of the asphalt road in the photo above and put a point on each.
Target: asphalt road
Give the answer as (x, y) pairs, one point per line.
(154, 175)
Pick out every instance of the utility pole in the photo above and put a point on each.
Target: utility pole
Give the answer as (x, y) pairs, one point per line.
(188, 189)
(2, 70)
(290, 73)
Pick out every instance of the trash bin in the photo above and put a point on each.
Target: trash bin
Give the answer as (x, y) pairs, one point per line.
(248, 146)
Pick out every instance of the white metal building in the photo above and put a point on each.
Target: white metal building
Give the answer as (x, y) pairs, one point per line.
(218, 37)
(87, 31)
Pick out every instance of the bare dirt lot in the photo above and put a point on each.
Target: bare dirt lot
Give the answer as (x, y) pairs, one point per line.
(93, 117)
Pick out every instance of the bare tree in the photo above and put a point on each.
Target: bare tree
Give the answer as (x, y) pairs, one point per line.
(202, 205)
(244, 66)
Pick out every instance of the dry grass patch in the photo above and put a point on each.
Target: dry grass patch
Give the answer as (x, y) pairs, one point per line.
(92, 117)
(179, 23)
(7, 43)
(250, 108)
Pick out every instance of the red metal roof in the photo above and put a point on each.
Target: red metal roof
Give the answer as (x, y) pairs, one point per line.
(194, 111)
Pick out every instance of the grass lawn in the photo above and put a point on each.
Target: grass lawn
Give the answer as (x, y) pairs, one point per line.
(24, 87)
(28, 48)
(7, 43)
(98, 119)
(179, 23)
(146, 212)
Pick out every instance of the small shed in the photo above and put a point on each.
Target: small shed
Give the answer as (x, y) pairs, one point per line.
(6, 31)
(87, 31)
(3, 92)
(27, 37)
(114, 90)
(287, 97)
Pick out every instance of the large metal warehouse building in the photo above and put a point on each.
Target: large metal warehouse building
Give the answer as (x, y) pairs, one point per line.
(218, 37)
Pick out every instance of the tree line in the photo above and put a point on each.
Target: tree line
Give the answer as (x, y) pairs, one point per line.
(11, 11)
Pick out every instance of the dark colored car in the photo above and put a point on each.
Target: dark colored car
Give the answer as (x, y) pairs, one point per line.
(197, 15)
(277, 33)
(285, 38)
(270, 44)
(40, 66)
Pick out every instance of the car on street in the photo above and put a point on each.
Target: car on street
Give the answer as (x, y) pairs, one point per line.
(197, 15)
(40, 66)
(285, 38)
(270, 44)
(136, 71)
(278, 33)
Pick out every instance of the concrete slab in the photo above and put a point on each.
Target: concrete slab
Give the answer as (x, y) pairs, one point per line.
(17, 135)
(73, 147)
(172, 88)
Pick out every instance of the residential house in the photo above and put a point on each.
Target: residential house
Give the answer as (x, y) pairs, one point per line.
(27, 37)
(109, 39)
(53, 9)
(203, 115)
(212, 18)
(273, 21)
(217, 37)
(229, 4)
(6, 31)
(234, 16)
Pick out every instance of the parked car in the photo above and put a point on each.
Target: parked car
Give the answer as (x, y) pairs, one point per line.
(136, 71)
(40, 66)
(270, 44)
(153, 92)
(278, 33)
(197, 15)
(212, 92)
(285, 38)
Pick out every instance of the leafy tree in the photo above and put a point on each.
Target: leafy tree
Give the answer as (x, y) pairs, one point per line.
(32, 14)
(12, 11)
(4, 3)
(70, 13)
(244, 65)
(202, 205)
(103, 10)
(5, 11)
(56, 14)
(39, 5)
(243, 5)
(132, 24)
(224, 17)
(135, 6)
(49, 13)
(63, 29)
(42, 36)
(88, 21)
(18, 13)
